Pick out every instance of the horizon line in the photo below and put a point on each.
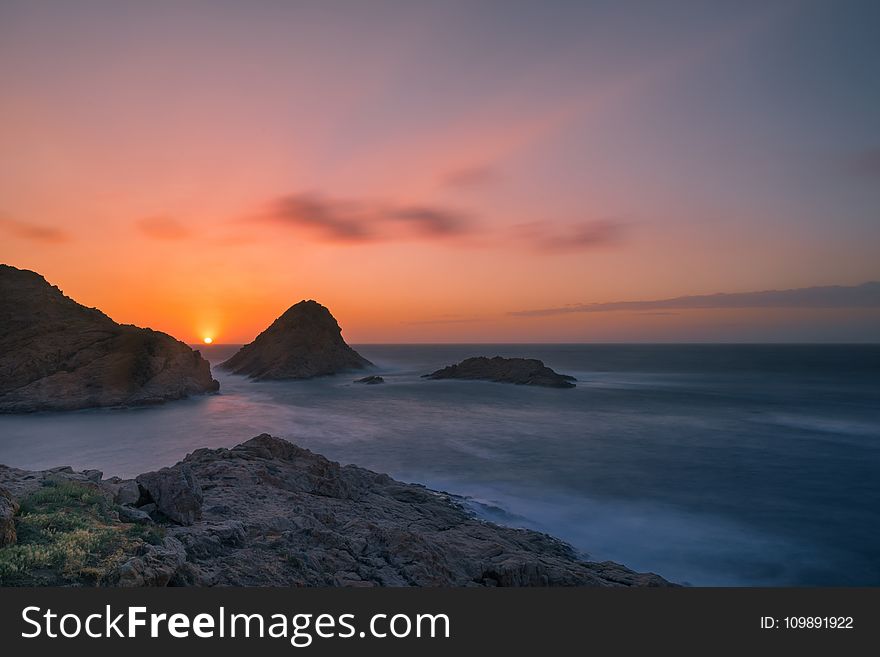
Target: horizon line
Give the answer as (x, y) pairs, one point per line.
(593, 342)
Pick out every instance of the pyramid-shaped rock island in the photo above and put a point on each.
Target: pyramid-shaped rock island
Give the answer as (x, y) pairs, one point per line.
(303, 343)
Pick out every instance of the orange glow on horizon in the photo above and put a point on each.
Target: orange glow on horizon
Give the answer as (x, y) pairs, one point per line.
(199, 190)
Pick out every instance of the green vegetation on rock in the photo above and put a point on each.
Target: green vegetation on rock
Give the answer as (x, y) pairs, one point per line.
(70, 534)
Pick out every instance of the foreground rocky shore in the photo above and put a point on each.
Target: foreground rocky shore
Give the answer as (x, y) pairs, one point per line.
(267, 513)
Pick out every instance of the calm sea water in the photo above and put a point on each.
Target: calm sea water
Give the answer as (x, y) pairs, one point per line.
(708, 464)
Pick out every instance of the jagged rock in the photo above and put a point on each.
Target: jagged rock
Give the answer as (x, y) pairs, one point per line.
(8, 509)
(21, 483)
(93, 475)
(125, 491)
(303, 343)
(269, 513)
(56, 354)
(370, 380)
(152, 510)
(276, 514)
(521, 371)
(132, 514)
(175, 492)
(158, 566)
(213, 539)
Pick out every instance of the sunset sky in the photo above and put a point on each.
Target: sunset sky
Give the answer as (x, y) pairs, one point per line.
(449, 171)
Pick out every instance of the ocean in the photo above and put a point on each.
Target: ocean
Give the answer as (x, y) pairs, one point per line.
(726, 465)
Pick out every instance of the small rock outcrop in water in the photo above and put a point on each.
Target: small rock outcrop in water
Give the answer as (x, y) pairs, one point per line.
(370, 380)
(269, 513)
(56, 354)
(303, 343)
(522, 371)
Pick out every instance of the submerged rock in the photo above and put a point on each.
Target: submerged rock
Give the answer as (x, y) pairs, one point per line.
(371, 380)
(56, 354)
(521, 371)
(303, 343)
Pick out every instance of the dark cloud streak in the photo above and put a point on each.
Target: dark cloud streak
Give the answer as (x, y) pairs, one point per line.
(431, 221)
(544, 236)
(34, 232)
(366, 220)
(866, 295)
(338, 220)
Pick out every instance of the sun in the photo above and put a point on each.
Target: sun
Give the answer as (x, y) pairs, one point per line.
(208, 340)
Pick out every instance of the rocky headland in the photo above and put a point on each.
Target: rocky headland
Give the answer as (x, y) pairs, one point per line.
(305, 342)
(520, 371)
(56, 354)
(267, 513)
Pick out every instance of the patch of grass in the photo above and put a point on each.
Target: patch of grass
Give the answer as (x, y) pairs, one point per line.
(65, 496)
(70, 533)
(152, 534)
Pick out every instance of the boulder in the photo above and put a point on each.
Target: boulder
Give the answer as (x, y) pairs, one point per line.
(175, 492)
(158, 566)
(137, 516)
(93, 475)
(124, 491)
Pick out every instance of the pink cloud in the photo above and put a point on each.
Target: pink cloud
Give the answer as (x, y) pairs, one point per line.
(34, 232)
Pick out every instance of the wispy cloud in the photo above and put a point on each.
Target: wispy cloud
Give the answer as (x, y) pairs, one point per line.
(550, 236)
(163, 228)
(364, 220)
(451, 319)
(429, 221)
(34, 232)
(469, 177)
(360, 221)
(866, 295)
